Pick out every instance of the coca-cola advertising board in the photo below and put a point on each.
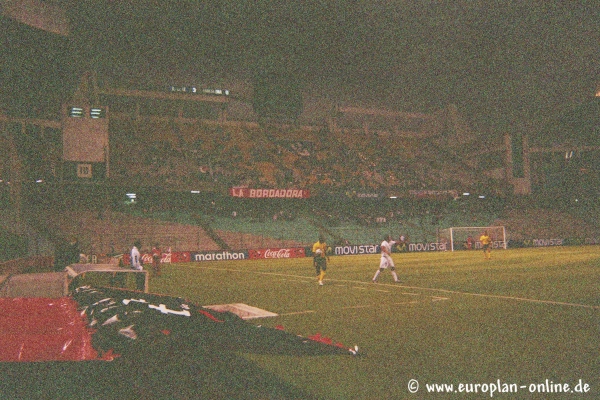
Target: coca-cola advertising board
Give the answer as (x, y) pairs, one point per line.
(290, 252)
(174, 257)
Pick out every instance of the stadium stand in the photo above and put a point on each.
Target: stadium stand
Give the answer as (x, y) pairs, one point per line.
(115, 232)
(245, 153)
(176, 143)
(535, 222)
(245, 232)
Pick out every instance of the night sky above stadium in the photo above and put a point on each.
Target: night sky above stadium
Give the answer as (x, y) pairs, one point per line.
(507, 65)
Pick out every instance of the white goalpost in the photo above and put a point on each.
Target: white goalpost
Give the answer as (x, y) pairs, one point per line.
(467, 237)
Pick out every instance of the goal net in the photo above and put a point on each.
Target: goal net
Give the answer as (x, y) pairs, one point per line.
(467, 237)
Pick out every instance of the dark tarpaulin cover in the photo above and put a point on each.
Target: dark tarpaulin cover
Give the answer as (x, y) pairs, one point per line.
(128, 321)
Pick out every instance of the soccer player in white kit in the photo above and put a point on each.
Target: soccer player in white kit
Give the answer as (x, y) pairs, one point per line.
(386, 258)
(136, 257)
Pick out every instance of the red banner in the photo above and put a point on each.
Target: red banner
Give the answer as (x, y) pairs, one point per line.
(270, 193)
(290, 252)
(174, 257)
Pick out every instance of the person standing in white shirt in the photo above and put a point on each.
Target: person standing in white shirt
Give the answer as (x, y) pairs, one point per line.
(136, 258)
(386, 258)
(136, 264)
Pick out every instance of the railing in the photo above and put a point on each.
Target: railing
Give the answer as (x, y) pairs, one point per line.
(113, 243)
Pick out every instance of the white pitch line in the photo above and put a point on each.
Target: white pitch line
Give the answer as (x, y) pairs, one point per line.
(406, 302)
(377, 305)
(503, 297)
(375, 290)
(358, 306)
(446, 291)
(299, 312)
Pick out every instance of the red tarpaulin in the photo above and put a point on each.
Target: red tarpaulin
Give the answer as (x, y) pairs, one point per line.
(43, 329)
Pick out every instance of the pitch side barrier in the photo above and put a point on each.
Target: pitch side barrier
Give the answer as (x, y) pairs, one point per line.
(347, 250)
(548, 242)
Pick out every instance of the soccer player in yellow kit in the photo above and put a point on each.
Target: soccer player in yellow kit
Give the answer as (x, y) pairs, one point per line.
(486, 244)
(319, 250)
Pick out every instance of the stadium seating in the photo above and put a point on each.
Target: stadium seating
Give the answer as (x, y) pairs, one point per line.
(545, 223)
(181, 153)
(235, 153)
(245, 232)
(116, 232)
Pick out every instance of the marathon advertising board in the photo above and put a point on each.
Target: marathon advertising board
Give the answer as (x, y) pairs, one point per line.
(223, 255)
(248, 193)
(289, 252)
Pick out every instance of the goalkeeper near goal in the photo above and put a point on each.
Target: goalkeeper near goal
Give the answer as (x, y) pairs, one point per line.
(486, 244)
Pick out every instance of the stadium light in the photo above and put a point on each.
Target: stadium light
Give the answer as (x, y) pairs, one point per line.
(97, 112)
(76, 112)
(132, 197)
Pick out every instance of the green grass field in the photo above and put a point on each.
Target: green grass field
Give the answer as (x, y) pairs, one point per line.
(528, 320)
(523, 318)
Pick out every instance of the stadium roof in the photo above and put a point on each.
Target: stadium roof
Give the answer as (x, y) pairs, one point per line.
(507, 66)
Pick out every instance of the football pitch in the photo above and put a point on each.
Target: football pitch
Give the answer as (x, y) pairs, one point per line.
(524, 324)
